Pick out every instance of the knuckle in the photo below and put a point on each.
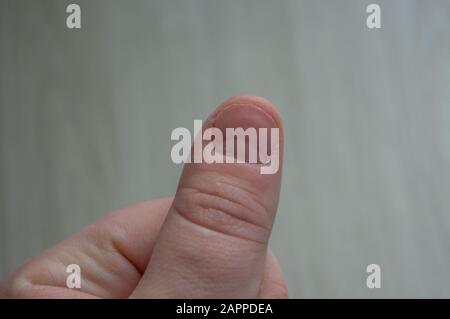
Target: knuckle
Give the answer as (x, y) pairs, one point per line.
(223, 207)
(15, 287)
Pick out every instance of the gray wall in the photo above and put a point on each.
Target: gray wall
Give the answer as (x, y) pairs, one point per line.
(86, 118)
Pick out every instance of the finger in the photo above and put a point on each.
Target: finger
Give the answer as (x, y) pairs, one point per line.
(112, 254)
(273, 284)
(213, 243)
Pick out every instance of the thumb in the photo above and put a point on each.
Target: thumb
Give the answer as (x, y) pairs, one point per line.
(213, 243)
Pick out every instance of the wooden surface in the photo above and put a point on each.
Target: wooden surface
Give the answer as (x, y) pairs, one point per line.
(86, 118)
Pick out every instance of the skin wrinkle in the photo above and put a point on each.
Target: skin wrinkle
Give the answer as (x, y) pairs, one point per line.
(95, 253)
(225, 199)
(114, 245)
(153, 212)
(111, 248)
(252, 194)
(224, 179)
(214, 197)
(204, 226)
(126, 278)
(259, 210)
(93, 282)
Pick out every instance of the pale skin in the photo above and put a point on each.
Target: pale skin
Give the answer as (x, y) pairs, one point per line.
(208, 241)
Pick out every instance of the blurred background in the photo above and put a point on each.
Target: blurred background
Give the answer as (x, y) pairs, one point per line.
(86, 117)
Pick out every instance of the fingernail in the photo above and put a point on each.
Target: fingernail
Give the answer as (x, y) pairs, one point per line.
(245, 116)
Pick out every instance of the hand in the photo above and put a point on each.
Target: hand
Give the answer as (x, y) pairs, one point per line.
(209, 241)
